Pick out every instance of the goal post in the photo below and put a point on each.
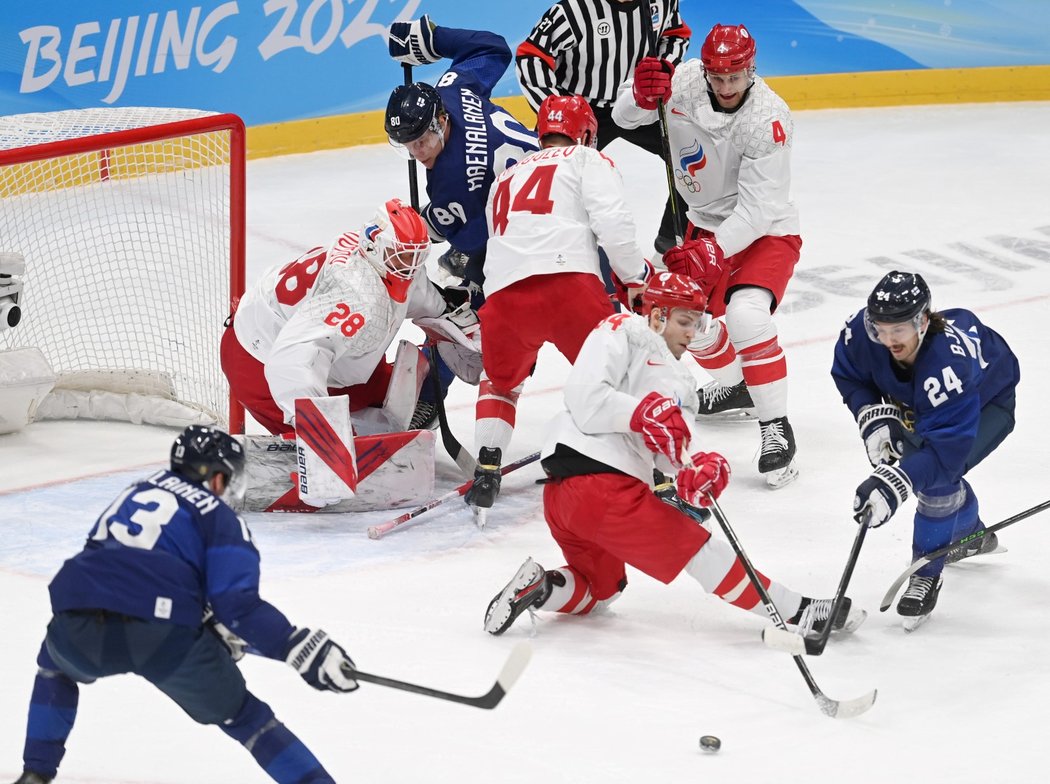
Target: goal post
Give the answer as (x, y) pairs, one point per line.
(132, 225)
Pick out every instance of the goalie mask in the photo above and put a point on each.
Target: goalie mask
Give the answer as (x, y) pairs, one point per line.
(200, 452)
(395, 242)
(568, 115)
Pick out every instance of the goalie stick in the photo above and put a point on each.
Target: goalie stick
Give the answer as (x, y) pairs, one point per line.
(512, 669)
(887, 600)
(376, 531)
(813, 645)
(836, 709)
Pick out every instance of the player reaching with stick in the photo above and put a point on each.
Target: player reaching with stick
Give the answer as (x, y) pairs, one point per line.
(629, 400)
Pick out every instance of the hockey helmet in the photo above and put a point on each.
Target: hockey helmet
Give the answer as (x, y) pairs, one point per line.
(568, 115)
(201, 452)
(899, 297)
(413, 109)
(669, 290)
(395, 242)
(728, 49)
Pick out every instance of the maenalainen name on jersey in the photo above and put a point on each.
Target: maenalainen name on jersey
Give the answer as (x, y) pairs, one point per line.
(483, 141)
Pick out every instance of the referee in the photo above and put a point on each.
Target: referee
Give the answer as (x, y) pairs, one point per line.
(590, 48)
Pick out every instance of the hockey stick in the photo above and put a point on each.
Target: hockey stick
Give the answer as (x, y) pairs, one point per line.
(376, 531)
(887, 600)
(833, 708)
(796, 644)
(512, 669)
(413, 183)
(679, 228)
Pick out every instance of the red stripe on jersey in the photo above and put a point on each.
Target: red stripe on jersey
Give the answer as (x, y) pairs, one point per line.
(528, 49)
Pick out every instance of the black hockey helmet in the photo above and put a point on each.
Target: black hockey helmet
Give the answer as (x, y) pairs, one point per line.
(413, 109)
(200, 452)
(899, 296)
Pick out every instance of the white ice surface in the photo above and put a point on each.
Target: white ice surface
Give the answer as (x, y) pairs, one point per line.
(624, 697)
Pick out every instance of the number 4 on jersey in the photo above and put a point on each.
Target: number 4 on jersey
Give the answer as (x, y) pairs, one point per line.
(534, 197)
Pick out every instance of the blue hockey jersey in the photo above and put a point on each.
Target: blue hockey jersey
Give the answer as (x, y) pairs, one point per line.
(484, 139)
(956, 374)
(164, 548)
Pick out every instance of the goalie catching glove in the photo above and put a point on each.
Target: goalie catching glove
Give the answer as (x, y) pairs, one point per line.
(708, 474)
(883, 432)
(701, 260)
(883, 492)
(412, 42)
(660, 422)
(320, 661)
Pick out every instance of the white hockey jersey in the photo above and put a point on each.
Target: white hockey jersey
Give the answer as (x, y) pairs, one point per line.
(326, 320)
(733, 170)
(620, 363)
(551, 211)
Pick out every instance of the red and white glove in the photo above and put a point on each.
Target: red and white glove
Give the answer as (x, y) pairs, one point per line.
(652, 82)
(659, 420)
(629, 293)
(701, 260)
(709, 473)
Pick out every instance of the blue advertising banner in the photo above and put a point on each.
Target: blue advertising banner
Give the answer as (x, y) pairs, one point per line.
(276, 60)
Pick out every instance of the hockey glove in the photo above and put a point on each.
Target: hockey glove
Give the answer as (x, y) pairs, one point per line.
(234, 644)
(709, 474)
(413, 42)
(321, 662)
(886, 489)
(883, 430)
(701, 259)
(652, 82)
(630, 293)
(659, 420)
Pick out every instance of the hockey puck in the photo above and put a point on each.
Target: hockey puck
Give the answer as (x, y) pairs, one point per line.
(710, 743)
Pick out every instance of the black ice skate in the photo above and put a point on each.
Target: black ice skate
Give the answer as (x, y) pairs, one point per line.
(778, 452)
(425, 417)
(813, 614)
(482, 494)
(919, 600)
(726, 402)
(530, 587)
(29, 777)
(989, 543)
(453, 262)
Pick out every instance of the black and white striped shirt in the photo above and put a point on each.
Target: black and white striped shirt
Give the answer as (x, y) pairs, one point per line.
(590, 47)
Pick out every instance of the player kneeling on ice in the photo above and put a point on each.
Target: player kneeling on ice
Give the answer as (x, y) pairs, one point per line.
(630, 401)
(167, 588)
(319, 328)
(933, 395)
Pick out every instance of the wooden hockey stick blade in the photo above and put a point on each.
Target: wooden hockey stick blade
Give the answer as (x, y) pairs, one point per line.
(508, 676)
(887, 600)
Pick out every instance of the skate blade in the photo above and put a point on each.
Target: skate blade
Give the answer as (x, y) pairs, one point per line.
(481, 515)
(782, 476)
(997, 551)
(732, 415)
(914, 622)
(853, 622)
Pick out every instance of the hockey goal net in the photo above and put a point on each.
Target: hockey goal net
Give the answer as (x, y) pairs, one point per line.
(131, 222)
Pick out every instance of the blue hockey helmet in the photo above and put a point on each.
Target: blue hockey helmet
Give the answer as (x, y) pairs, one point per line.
(413, 109)
(899, 297)
(201, 452)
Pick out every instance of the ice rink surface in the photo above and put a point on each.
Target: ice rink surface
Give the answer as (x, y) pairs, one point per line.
(958, 193)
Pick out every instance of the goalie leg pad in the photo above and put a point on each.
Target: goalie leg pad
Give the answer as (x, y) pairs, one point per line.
(327, 464)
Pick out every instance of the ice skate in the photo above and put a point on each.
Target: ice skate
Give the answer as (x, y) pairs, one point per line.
(813, 614)
(29, 777)
(425, 416)
(987, 544)
(482, 494)
(777, 461)
(530, 587)
(728, 403)
(918, 600)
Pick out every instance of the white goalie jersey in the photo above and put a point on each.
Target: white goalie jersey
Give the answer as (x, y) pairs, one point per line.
(326, 320)
(620, 363)
(551, 211)
(732, 169)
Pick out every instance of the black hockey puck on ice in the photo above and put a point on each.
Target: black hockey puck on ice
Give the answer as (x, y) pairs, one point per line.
(710, 743)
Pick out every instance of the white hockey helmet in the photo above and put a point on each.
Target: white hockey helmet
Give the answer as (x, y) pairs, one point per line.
(395, 241)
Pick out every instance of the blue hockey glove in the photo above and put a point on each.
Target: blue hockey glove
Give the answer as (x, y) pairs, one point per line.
(883, 431)
(321, 662)
(413, 42)
(886, 489)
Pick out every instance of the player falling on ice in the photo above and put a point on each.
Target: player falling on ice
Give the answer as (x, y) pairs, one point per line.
(547, 215)
(730, 137)
(167, 571)
(625, 399)
(933, 396)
